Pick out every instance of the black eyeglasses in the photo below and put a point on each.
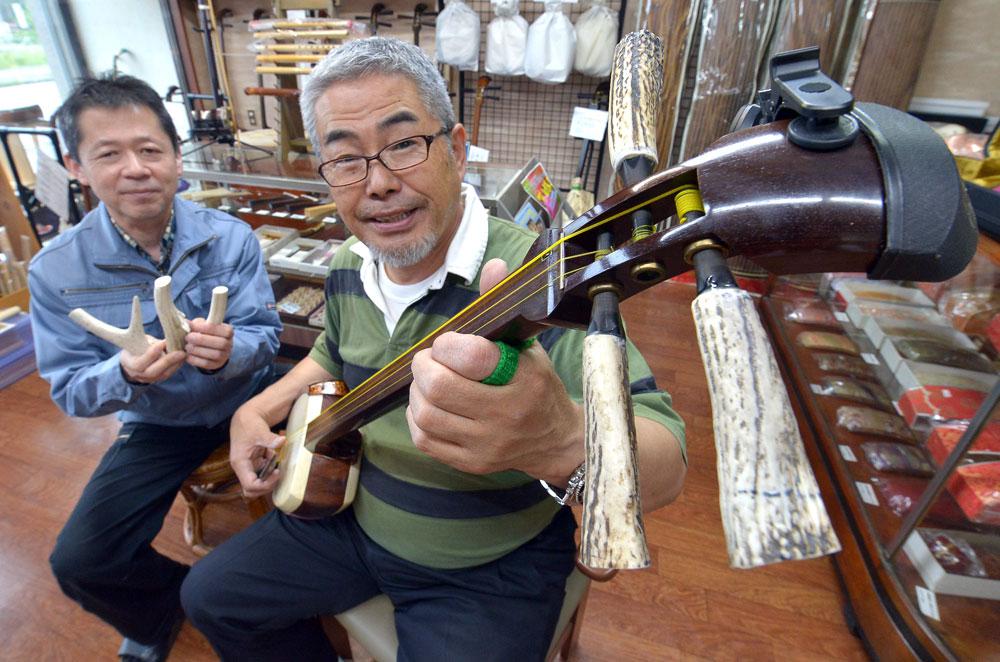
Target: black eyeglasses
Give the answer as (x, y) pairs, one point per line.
(399, 155)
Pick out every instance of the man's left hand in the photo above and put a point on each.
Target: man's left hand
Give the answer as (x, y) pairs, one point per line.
(530, 424)
(208, 346)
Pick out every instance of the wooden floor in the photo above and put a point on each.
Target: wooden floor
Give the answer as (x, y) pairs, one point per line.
(688, 606)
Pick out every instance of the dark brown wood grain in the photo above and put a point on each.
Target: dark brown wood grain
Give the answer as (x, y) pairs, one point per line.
(804, 23)
(733, 41)
(893, 50)
(674, 23)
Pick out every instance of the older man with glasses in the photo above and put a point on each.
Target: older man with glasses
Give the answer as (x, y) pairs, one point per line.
(451, 520)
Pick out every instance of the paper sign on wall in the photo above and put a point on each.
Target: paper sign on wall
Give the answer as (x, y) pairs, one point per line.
(589, 123)
(52, 185)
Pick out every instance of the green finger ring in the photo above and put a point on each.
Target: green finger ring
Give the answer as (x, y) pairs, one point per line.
(507, 365)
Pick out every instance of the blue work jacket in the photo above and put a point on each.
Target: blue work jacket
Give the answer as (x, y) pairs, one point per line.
(90, 266)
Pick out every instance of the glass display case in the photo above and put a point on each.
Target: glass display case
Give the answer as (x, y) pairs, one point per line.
(895, 385)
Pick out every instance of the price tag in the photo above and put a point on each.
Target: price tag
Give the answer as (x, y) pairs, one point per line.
(928, 603)
(848, 454)
(816, 388)
(589, 123)
(244, 210)
(840, 316)
(867, 493)
(280, 214)
(870, 359)
(477, 154)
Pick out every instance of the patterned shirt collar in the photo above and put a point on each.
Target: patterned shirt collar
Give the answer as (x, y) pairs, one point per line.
(166, 244)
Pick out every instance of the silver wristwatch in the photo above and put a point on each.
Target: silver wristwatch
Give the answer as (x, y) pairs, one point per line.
(574, 487)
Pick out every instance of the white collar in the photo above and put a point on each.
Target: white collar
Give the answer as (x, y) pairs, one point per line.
(464, 257)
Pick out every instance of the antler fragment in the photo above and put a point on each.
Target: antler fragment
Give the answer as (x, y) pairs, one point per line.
(175, 326)
(133, 339)
(217, 311)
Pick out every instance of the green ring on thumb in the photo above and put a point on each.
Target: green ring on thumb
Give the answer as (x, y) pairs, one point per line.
(507, 365)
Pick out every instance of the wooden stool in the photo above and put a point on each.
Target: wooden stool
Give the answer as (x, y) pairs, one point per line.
(372, 623)
(214, 481)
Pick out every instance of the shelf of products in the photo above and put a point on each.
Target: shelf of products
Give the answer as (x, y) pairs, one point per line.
(298, 234)
(886, 379)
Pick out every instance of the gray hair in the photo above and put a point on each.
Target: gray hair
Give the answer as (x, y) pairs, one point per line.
(372, 56)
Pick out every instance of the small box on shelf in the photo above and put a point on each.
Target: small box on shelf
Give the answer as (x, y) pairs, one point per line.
(290, 257)
(849, 290)
(273, 237)
(956, 562)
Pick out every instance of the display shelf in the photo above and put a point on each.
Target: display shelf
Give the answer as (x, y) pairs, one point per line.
(895, 614)
(216, 163)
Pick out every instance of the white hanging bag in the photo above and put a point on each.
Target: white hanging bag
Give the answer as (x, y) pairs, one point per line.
(551, 42)
(506, 40)
(596, 37)
(457, 36)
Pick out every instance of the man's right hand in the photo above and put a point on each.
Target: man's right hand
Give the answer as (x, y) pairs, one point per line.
(251, 446)
(153, 365)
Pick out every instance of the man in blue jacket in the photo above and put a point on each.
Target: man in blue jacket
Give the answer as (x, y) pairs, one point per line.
(174, 406)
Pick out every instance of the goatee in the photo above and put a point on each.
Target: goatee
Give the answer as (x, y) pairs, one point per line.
(404, 256)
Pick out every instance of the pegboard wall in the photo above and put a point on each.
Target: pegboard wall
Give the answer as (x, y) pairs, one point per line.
(520, 119)
(529, 119)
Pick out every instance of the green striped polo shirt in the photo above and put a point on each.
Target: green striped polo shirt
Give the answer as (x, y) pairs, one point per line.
(414, 506)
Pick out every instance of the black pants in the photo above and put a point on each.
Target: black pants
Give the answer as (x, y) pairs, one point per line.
(255, 597)
(103, 558)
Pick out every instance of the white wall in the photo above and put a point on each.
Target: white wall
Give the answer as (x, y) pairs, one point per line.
(106, 27)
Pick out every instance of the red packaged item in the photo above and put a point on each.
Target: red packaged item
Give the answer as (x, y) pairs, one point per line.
(811, 312)
(867, 421)
(943, 439)
(842, 364)
(976, 488)
(932, 351)
(901, 493)
(897, 458)
(938, 404)
(975, 484)
(833, 342)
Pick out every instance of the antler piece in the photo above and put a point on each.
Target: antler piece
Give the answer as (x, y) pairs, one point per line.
(133, 339)
(175, 326)
(771, 506)
(217, 311)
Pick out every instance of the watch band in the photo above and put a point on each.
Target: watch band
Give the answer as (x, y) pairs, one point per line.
(574, 487)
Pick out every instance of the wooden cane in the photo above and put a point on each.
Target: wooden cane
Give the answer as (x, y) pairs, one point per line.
(290, 57)
(294, 48)
(307, 24)
(320, 210)
(300, 34)
(481, 85)
(295, 71)
(272, 91)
